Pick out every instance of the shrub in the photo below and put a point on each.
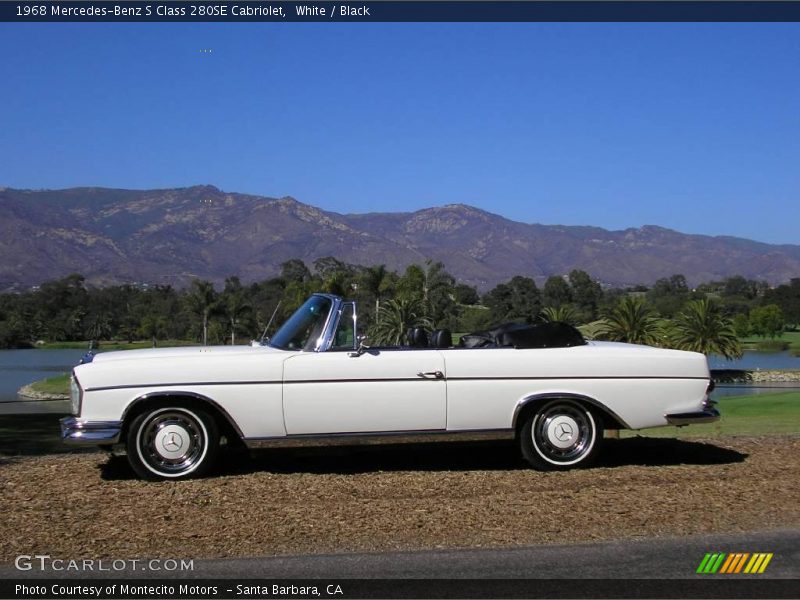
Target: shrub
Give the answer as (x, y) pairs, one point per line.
(772, 346)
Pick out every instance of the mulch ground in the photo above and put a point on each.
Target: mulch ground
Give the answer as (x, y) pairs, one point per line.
(393, 498)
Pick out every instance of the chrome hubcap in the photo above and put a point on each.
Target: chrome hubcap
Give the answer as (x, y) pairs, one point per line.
(563, 432)
(172, 442)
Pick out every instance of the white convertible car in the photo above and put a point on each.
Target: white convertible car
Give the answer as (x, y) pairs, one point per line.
(171, 410)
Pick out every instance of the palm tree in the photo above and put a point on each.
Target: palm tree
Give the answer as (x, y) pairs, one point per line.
(632, 321)
(565, 313)
(235, 307)
(395, 318)
(701, 327)
(203, 300)
(374, 279)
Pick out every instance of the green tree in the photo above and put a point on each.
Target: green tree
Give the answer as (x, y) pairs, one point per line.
(787, 297)
(153, 327)
(632, 321)
(556, 292)
(395, 317)
(741, 325)
(565, 313)
(374, 280)
(740, 287)
(586, 294)
(515, 300)
(235, 305)
(466, 294)
(295, 270)
(411, 284)
(767, 321)
(668, 295)
(202, 300)
(702, 327)
(431, 285)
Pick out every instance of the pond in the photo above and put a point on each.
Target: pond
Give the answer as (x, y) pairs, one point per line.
(724, 390)
(20, 367)
(754, 359)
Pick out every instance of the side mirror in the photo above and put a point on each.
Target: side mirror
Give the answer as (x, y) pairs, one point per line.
(362, 347)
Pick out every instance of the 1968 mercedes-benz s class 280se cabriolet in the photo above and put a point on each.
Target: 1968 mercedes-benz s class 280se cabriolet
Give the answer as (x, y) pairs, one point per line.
(316, 381)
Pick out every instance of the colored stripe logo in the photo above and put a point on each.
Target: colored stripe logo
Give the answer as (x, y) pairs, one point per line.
(734, 562)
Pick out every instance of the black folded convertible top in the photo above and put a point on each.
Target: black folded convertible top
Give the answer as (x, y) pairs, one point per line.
(520, 335)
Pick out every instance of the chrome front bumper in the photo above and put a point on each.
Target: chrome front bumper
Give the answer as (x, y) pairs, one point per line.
(704, 416)
(89, 433)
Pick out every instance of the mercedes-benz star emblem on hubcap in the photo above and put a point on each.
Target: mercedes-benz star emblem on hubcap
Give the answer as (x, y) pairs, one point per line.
(172, 442)
(564, 432)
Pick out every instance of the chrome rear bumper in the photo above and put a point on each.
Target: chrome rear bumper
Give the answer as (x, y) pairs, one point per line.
(705, 416)
(89, 433)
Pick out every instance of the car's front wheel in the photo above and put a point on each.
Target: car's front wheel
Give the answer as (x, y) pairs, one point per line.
(172, 442)
(560, 434)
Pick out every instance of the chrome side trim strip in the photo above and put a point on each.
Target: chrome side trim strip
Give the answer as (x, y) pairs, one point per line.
(377, 438)
(89, 433)
(132, 386)
(581, 377)
(384, 379)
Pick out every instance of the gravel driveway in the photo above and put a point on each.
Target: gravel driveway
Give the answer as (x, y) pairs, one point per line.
(393, 498)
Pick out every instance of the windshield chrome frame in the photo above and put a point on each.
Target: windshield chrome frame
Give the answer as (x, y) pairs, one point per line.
(325, 340)
(337, 318)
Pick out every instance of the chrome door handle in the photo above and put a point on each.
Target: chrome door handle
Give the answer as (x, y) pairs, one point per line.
(434, 374)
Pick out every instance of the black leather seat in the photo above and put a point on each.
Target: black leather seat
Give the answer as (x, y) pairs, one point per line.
(441, 338)
(417, 337)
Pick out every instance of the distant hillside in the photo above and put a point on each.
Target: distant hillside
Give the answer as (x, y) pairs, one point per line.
(169, 236)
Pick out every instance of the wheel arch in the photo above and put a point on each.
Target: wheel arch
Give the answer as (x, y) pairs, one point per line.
(611, 420)
(225, 422)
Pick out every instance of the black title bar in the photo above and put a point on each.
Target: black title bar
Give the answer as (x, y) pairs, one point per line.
(391, 11)
(218, 589)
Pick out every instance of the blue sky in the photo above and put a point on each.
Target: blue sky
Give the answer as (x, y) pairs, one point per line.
(690, 126)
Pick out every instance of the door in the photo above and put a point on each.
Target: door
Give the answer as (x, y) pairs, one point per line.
(378, 391)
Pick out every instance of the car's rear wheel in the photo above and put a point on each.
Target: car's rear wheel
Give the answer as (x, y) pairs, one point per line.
(560, 434)
(172, 442)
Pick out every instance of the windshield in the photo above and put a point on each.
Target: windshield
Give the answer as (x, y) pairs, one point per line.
(305, 327)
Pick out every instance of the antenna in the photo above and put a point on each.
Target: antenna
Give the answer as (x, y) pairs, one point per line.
(272, 318)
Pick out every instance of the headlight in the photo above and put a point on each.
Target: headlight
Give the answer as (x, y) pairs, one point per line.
(75, 396)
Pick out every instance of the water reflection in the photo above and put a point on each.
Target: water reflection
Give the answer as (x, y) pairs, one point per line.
(21, 367)
(724, 390)
(753, 359)
(35, 407)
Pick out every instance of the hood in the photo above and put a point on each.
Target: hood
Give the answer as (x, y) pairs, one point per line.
(181, 352)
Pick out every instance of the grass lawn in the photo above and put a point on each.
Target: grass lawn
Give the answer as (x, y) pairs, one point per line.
(765, 414)
(791, 337)
(53, 385)
(116, 345)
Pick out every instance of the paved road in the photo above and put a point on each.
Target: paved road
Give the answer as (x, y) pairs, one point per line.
(669, 558)
(651, 558)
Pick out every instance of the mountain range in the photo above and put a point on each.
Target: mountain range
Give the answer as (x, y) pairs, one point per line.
(171, 235)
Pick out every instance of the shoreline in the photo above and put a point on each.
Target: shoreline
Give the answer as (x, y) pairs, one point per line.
(27, 394)
(755, 375)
